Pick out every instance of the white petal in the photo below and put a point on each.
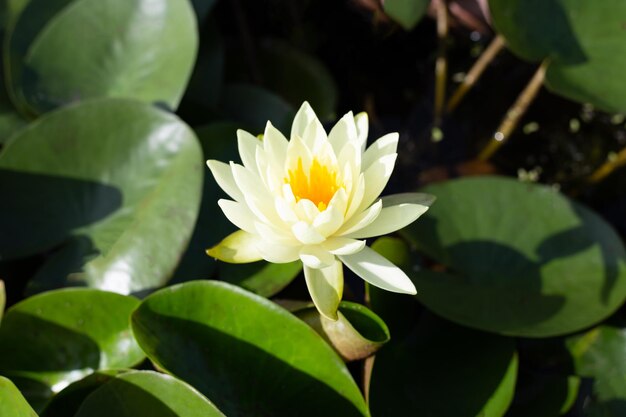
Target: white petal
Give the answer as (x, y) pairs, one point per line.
(314, 256)
(239, 247)
(343, 246)
(304, 116)
(361, 220)
(285, 210)
(224, 177)
(356, 197)
(377, 270)
(326, 288)
(256, 195)
(329, 220)
(238, 214)
(343, 132)
(386, 145)
(376, 178)
(247, 145)
(274, 235)
(307, 210)
(275, 145)
(362, 126)
(399, 210)
(278, 254)
(314, 136)
(306, 233)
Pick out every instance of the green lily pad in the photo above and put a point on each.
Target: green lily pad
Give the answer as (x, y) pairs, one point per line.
(67, 402)
(599, 354)
(357, 334)
(115, 182)
(55, 338)
(63, 51)
(12, 403)
(406, 12)
(444, 370)
(521, 258)
(245, 353)
(584, 40)
(146, 393)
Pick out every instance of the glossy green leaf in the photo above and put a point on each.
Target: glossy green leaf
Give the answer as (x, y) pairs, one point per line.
(146, 393)
(406, 12)
(253, 106)
(599, 354)
(584, 40)
(521, 258)
(65, 50)
(58, 337)
(356, 334)
(67, 402)
(245, 353)
(117, 182)
(12, 403)
(444, 370)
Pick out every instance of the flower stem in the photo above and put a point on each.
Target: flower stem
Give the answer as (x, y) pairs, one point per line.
(441, 65)
(497, 44)
(608, 167)
(515, 113)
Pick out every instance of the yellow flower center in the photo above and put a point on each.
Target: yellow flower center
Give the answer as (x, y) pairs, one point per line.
(318, 185)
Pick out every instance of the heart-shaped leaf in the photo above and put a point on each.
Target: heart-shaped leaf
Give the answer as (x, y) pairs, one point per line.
(146, 393)
(521, 258)
(585, 42)
(444, 370)
(12, 403)
(245, 353)
(117, 182)
(356, 334)
(58, 337)
(62, 51)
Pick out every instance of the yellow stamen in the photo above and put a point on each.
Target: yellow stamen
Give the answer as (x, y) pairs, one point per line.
(318, 185)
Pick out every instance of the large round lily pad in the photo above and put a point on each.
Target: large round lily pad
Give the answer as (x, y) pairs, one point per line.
(245, 353)
(584, 40)
(520, 259)
(116, 182)
(444, 370)
(63, 51)
(52, 339)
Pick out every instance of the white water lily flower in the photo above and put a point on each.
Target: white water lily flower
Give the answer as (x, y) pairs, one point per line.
(315, 198)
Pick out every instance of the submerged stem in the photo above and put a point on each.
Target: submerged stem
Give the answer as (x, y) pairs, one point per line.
(497, 44)
(515, 113)
(441, 65)
(608, 167)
